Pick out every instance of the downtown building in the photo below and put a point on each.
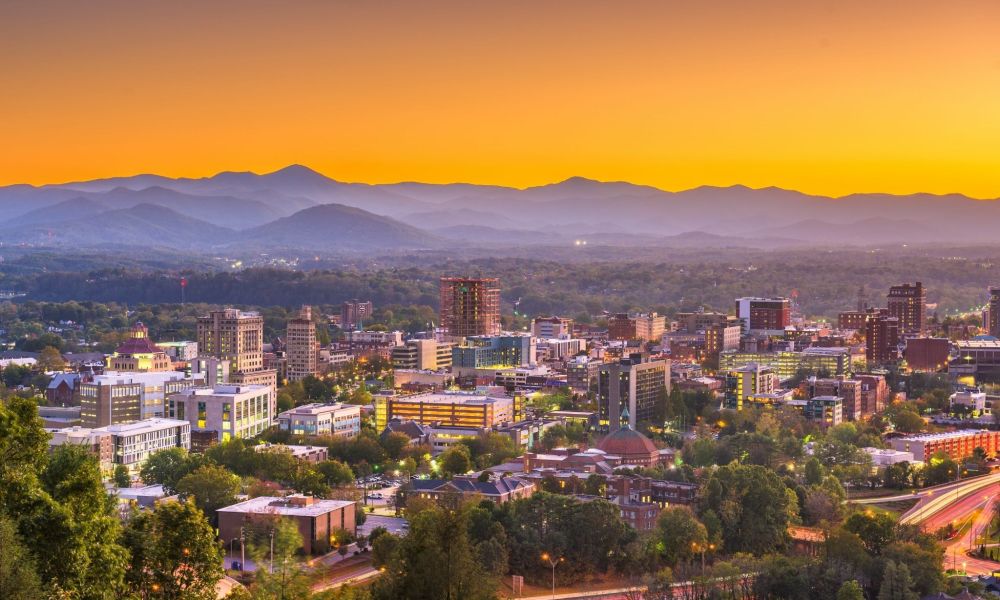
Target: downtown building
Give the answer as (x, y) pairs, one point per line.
(223, 412)
(139, 354)
(908, 304)
(237, 337)
(769, 316)
(552, 327)
(422, 355)
(120, 397)
(627, 391)
(301, 347)
(644, 327)
(337, 420)
(470, 306)
(882, 332)
(449, 409)
(353, 314)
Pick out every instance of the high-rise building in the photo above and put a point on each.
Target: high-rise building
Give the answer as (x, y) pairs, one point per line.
(235, 336)
(993, 313)
(908, 303)
(881, 338)
(138, 353)
(470, 306)
(628, 391)
(353, 313)
(764, 314)
(642, 326)
(301, 347)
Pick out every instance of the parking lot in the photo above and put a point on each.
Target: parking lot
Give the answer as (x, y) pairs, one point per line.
(394, 525)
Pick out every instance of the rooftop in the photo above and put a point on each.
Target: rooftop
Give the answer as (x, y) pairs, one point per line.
(930, 437)
(310, 507)
(450, 398)
(317, 408)
(146, 425)
(146, 378)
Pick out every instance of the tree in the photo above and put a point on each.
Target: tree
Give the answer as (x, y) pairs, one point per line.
(283, 576)
(212, 488)
(455, 460)
(49, 359)
(18, 579)
(679, 533)
(751, 503)
(335, 473)
(896, 583)
(876, 530)
(121, 477)
(815, 472)
(173, 549)
(167, 467)
(850, 590)
(907, 421)
(436, 561)
(394, 442)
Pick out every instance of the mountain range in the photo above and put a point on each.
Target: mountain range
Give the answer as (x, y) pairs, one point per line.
(297, 208)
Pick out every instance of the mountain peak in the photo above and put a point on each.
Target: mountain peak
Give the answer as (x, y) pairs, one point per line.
(297, 170)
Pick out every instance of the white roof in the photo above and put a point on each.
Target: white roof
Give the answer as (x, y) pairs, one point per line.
(281, 506)
(144, 426)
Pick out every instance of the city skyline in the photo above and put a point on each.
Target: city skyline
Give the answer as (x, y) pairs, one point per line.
(822, 98)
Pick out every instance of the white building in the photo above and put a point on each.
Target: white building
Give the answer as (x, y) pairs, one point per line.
(231, 411)
(974, 399)
(552, 327)
(180, 351)
(385, 338)
(883, 457)
(340, 420)
(128, 444)
(422, 355)
(560, 349)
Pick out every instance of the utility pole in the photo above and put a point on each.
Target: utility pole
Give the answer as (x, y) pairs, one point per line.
(271, 569)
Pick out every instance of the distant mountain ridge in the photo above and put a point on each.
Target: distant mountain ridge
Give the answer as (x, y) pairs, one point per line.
(298, 207)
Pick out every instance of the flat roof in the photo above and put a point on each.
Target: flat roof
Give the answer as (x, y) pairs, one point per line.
(281, 506)
(451, 398)
(931, 437)
(154, 424)
(316, 408)
(116, 377)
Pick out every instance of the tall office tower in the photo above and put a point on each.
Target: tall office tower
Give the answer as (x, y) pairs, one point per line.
(993, 313)
(907, 303)
(881, 338)
(233, 335)
(470, 306)
(353, 313)
(301, 348)
(628, 391)
(764, 314)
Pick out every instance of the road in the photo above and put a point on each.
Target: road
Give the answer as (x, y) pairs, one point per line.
(955, 504)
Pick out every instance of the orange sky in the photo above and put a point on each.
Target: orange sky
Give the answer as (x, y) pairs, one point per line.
(826, 97)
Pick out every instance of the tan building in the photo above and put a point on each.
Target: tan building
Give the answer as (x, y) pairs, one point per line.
(301, 347)
(139, 354)
(643, 326)
(422, 355)
(235, 336)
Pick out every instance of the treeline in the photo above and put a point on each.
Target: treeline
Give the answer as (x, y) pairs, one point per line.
(664, 283)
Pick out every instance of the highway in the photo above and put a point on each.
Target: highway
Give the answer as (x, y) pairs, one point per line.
(955, 504)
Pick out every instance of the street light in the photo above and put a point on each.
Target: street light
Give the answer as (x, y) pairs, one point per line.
(553, 562)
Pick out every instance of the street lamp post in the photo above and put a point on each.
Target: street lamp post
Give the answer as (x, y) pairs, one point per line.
(553, 562)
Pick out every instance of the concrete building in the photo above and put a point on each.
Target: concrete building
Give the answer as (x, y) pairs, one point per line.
(908, 304)
(852, 320)
(228, 411)
(139, 354)
(120, 397)
(884, 457)
(552, 327)
(494, 352)
(693, 322)
(235, 336)
(971, 399)
(581, 372)
(133, 443)
(354, 313)
(338, 420)
(455, 409)
(374, 338)
(788, 363)
(301, 347)
(765, 315)
(722, 338)
(956, 444)
(628, 391)
(317, 520)
(644, 327)
(881, 338)
(825, 410)
(746, 382)
(97, 442)
(470, 306)
(312, 454)
(559, 349)
(422, 355)
(182, 351)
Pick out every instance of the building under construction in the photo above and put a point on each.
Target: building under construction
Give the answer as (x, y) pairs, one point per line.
(470, 306)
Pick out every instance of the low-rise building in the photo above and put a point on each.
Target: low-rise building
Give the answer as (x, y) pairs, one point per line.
(422, 355)
(128, 444)
(338, 420)
(498, 489)
(317, 520)
(458, 409)
(972, 400)
(956, 444)
(228, 411)
(122, 397)
(884, 457)
(313, 454)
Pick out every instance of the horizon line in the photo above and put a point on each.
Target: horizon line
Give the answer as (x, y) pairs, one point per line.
(510, 187)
